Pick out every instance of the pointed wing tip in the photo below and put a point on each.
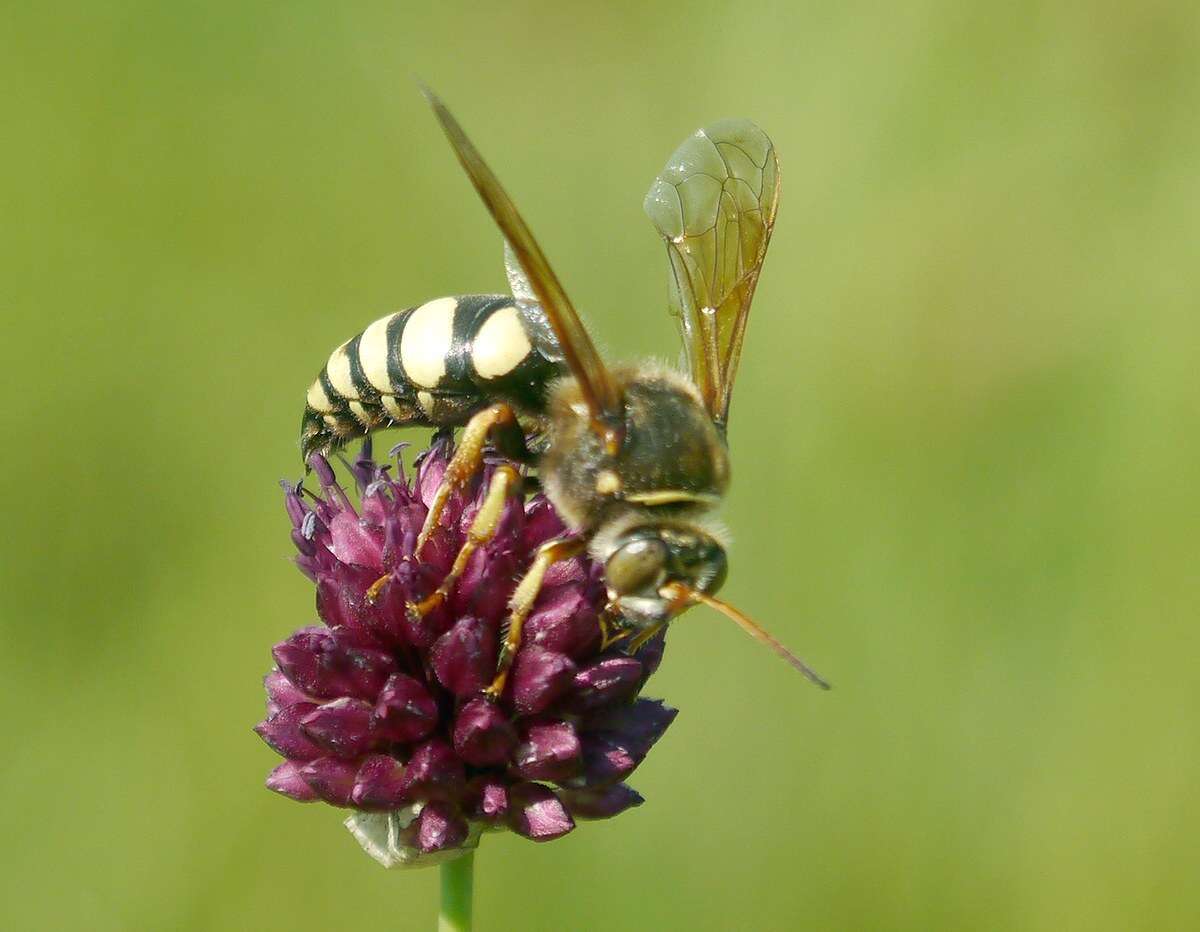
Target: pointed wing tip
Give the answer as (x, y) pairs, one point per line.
(426, 91)
(434, 101)
(450, 126)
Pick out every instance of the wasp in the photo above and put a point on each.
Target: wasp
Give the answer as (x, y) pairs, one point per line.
(633, 457)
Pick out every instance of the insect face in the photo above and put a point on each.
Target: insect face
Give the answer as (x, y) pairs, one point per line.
(648, 559)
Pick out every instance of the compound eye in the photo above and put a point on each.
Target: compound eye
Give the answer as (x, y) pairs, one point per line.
(716, 565)
(637, 566)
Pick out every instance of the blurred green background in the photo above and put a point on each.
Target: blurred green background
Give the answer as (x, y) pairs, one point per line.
(966, 442)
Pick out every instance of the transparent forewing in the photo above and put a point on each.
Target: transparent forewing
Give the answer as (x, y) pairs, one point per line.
(518, 280)
(714, 204)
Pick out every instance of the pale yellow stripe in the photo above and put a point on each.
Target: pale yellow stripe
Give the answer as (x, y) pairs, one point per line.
(500, 345)
(317, 399)
(338, 370)
(426, 401)
(426, 341)
(373, 355)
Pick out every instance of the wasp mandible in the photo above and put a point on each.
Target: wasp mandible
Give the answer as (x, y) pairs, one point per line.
(633, 457)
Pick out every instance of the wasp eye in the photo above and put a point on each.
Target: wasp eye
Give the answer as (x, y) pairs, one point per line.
(637, 566)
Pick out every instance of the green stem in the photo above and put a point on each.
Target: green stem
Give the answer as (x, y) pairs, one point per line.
(457, 882)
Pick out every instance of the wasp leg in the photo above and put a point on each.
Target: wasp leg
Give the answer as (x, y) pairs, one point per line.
(643, 637)
(377, 587)
(505, 481)
(521, 603)
(466, 461)
(499, 420)
(612, 630)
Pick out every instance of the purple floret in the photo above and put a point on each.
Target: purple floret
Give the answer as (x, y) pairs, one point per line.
(382, 712)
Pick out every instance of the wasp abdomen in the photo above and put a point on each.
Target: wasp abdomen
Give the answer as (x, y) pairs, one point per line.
(435, 364)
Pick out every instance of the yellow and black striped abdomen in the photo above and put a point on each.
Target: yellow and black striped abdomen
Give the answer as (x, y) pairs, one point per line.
(435, 364)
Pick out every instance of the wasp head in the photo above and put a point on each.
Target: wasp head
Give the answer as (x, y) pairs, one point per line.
(644, 563)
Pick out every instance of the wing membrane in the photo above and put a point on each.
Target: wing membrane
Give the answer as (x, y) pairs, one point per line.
(518, 281)
(594, 379)
(714, 204)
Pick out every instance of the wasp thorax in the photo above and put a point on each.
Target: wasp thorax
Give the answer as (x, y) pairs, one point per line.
(646, 559)
(671, 458)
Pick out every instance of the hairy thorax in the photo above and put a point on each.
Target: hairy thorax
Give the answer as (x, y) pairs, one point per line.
(671, 460)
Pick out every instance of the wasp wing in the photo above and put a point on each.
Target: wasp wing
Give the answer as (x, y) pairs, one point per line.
(714, 203)
(518, 281)
(595, 381)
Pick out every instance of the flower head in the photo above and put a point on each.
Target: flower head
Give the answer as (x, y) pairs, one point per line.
(381, 711)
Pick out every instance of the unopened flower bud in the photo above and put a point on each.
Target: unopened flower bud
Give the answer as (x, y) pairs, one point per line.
(483, 733)
(381, 709)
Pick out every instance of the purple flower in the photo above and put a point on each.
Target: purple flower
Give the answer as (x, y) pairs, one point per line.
(381, 711)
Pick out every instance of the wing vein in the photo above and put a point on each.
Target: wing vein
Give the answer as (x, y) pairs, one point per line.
(714, 204)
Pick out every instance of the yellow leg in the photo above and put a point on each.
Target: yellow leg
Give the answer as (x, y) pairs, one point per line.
(611, 631)
(465, 463)
(643, 636)
(505, 480)
(376, 588)
(521, 603)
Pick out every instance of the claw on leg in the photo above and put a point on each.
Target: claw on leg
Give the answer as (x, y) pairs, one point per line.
(377, 587)
(521, 603)
(611, 630)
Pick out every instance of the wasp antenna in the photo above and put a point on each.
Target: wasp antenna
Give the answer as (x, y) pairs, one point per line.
(679, 592)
